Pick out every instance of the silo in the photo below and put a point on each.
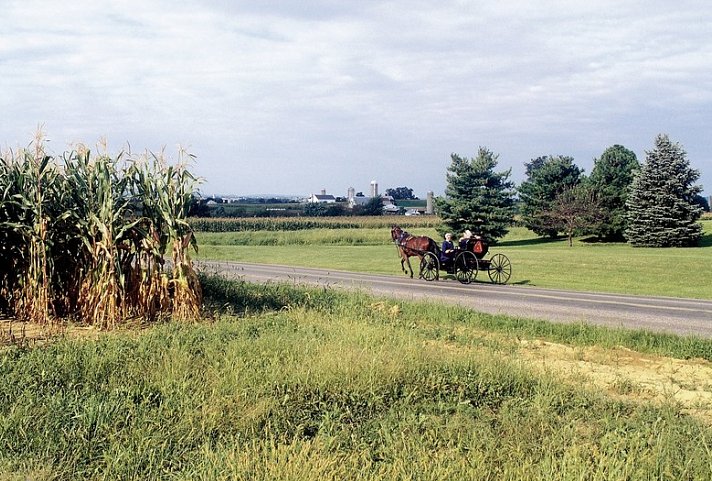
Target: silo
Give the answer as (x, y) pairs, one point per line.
(429, 208)
(374, 188)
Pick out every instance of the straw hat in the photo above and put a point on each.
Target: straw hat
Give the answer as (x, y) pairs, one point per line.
(467, 235)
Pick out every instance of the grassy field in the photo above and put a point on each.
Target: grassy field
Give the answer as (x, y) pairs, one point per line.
(319, 384)
(620, 268)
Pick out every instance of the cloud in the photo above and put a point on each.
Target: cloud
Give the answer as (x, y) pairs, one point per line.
(305, 95)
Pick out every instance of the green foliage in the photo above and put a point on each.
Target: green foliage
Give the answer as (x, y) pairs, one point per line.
(374, 206)
(702, 202)
(547, 177)
(610, 180)
(198, 207)
(477, 197)
(662, 211)
(575, 210)
(401, 193)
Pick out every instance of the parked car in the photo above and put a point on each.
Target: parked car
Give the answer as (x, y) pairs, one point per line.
(412, 212)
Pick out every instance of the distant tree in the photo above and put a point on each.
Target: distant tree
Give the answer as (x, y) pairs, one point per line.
(198, 207)
(374, 206)
(401, 193)
(575, 210)
(477, 196)
(336, 209)
(547, 177)
(702, 202)
(610, 180)
(315, 209)
(662, 211)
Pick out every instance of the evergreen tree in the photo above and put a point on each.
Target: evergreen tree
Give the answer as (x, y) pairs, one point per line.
(661, 206)
(547, 177)
(610, 180)
(477, 197)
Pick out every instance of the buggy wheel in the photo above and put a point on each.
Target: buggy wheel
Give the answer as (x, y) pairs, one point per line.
(466, 267)
(500, 269)
(430, 267)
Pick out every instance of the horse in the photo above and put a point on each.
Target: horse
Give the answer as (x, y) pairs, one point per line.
(411, 245)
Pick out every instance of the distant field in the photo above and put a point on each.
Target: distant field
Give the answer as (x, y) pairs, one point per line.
(591, 266)
(251, 224)
(248, 210)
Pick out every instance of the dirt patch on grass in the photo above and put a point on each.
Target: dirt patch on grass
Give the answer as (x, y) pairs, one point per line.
(628, 374)
(31, 334)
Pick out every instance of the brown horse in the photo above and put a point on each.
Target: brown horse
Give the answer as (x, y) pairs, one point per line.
(411, 245)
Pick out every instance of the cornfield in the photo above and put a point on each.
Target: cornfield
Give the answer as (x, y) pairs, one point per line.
(85, 236)
(216, 224)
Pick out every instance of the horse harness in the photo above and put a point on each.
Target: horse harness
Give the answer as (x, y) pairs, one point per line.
(404, 236)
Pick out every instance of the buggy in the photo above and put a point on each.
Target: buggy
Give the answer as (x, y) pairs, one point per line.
(466, 262)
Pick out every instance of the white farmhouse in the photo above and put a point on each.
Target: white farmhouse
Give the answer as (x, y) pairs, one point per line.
(321, 199)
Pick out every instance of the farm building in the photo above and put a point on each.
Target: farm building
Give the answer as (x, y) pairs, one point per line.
(321, 199)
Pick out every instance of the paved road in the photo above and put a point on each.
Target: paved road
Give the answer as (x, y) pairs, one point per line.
(680, 316)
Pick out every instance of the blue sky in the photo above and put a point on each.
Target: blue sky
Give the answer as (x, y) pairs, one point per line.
(295, 97)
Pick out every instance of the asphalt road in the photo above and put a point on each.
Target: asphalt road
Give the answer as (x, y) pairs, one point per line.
(680, 316)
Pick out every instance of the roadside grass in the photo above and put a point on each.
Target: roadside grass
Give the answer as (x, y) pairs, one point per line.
(587, 266)
(322, 384)
(442, 318)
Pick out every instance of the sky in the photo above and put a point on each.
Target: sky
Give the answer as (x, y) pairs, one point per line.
(293, 97)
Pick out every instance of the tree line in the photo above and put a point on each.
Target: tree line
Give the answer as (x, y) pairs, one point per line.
(653, 203)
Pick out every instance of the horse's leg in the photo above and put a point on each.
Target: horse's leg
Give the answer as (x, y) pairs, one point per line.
(403, 259)
(410, 268)
(420, 273)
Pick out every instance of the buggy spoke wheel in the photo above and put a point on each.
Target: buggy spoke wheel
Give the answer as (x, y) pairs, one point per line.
(466, 267)
(500, 269)
(430, 267)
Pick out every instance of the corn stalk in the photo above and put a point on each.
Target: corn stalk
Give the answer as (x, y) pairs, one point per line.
(86, 236)
(29, 179)
(165, 194)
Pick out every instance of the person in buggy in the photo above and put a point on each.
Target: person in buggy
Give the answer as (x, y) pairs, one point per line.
(447, 250)
(466, 236)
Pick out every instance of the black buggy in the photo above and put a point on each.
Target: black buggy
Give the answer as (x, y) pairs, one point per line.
(466, 262)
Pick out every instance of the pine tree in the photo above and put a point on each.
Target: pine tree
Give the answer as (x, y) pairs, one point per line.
(547, 177)
(661, 206)
(610, 180)
(477, 197)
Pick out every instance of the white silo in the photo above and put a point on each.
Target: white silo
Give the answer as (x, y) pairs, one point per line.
(429, 208)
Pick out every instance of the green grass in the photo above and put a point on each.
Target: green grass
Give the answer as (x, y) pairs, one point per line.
(590, 266)
(320, 384)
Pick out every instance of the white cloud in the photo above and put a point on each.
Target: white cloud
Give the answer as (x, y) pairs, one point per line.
(269, 97)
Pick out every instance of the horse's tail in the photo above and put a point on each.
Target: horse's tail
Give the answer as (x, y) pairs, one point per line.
(433, 247)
